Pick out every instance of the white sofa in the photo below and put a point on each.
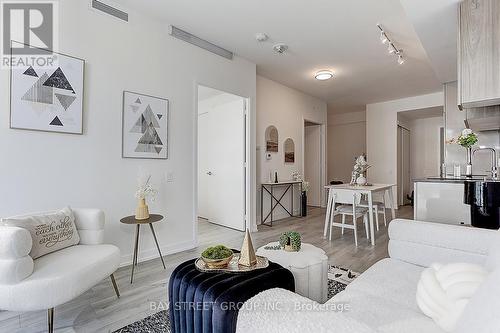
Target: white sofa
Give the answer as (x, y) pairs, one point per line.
(383, 298)
(57, 277)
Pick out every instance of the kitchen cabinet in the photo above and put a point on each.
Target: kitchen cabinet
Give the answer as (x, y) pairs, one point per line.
(441, 202)
(479, 53)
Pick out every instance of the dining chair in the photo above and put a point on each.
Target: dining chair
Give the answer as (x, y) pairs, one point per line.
(378, 206)
(348, 201)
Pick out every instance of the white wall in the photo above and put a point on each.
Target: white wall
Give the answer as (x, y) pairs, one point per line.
(381, 129)
(41, 171)
(346, 141)
(424, 145)
(286, 109)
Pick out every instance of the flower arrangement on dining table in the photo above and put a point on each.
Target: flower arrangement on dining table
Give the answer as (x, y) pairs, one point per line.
(359, 170)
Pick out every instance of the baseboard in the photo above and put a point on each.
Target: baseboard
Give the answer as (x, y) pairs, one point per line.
(153, 253)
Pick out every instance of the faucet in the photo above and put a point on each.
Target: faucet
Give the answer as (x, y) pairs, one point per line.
(494, 161)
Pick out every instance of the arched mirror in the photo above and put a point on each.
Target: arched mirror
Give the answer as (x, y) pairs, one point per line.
(289, 148)
(272, 139)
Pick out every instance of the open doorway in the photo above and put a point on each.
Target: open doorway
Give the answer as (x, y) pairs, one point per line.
(313, 164)
(222, 189)
(420, 150)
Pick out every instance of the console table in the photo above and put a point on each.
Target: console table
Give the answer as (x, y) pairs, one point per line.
(269, 188)
(132, 220)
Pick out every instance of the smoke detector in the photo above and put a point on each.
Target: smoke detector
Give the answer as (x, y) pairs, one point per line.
(280, 48)
(261, 37)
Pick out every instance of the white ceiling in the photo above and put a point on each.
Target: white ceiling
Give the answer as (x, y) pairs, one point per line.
(322, 34)
(436, 23)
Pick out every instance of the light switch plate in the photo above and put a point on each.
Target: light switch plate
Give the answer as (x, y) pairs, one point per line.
(170, 176)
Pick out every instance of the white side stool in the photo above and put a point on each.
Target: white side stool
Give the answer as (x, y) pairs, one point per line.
(309, 267)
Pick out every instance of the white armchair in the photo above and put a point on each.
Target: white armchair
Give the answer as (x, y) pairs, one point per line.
(58, 277)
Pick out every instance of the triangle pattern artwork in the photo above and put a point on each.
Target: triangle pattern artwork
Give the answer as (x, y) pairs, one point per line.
(138, 100)
(147, 124)
(40, 93)
(159, 115)
(59, 80)
(65, 100)
(31, 72)
(56, 122)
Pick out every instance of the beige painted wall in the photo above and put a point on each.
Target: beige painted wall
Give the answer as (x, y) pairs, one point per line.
(381, 129)
(286, 109)
(346, 140)
(424, 145)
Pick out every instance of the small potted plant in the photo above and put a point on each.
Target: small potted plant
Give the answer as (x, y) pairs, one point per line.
(290, 241)
(217, 256)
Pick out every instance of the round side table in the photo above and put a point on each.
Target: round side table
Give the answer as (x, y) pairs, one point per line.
(132, 220)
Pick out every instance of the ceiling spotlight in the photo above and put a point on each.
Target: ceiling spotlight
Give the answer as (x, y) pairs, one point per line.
(261, 37)
(383, 37)
(391, 48)
(280, 48)
(323, 75)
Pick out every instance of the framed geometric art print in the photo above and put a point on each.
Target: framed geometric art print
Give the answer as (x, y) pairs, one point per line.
(49, 96)
(145, 126)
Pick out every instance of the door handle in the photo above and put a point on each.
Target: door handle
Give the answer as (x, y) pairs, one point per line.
(209, 173)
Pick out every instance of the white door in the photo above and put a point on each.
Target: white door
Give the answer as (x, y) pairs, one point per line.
(221, 153)
(203, 166)
(312, 163)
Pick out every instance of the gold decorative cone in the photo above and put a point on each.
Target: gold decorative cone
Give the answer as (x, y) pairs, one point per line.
(247, 255)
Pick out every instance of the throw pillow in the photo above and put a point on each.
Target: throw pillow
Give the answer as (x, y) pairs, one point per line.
(50, 232)
(443, 291)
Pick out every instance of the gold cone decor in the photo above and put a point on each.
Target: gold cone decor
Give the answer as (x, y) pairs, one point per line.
(142, 210)
(247, 254)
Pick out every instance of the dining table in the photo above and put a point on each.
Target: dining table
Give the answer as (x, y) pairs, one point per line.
(368, 190)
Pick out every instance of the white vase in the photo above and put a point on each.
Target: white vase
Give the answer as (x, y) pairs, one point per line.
(361, 180)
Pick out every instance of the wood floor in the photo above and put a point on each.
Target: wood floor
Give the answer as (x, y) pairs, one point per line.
(98, 310)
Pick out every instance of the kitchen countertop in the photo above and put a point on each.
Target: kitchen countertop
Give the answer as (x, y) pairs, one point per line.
(449, 179)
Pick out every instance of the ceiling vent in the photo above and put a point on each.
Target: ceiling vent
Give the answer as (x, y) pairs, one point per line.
(105, 8)
(195, 40)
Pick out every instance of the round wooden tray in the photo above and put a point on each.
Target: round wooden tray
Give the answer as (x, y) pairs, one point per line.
(233, 266)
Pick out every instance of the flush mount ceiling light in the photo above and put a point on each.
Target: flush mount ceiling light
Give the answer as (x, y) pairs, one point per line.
(391, 48)
(323, 75)
(280, 48)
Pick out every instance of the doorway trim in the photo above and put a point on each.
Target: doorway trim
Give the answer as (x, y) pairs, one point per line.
(323, 156)
(249, 161)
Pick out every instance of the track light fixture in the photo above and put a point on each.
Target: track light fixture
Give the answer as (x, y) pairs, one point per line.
(391, 48)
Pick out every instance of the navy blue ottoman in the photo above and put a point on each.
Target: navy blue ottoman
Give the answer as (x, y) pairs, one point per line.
(209, 302)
